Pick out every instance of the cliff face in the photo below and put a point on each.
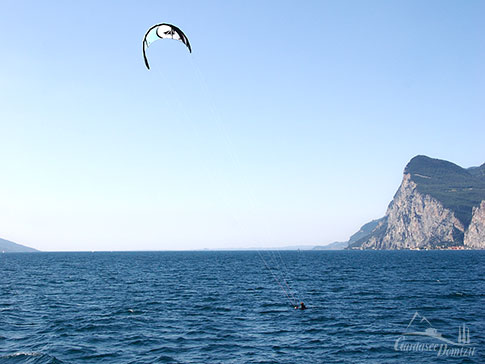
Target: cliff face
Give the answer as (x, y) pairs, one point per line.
(475, 234)
(438, 205)
(414, 220)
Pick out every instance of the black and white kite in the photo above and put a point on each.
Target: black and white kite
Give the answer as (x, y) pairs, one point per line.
(163, 31)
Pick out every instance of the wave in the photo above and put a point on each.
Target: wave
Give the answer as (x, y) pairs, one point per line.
(29, 358)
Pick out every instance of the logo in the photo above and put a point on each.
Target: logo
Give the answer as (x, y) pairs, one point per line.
(421, 336)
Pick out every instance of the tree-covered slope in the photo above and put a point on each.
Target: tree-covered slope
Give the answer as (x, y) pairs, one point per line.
(458, 189)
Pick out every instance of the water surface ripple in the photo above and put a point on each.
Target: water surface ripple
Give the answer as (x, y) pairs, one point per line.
(226, 307)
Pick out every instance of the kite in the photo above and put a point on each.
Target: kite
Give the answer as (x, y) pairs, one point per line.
(163, 31)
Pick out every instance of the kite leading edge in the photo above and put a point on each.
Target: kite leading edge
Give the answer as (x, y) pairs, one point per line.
(163, 31)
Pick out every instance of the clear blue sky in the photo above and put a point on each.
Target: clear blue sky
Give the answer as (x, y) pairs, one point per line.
(290, 123)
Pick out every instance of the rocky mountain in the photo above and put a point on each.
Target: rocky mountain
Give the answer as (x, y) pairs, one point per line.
(474, 235)
(438, 205)
(7, 246)
(364, 230)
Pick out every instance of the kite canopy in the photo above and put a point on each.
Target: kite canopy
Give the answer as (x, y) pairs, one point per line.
(163, 31)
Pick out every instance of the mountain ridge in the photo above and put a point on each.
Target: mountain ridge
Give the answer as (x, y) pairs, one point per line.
(438, 205)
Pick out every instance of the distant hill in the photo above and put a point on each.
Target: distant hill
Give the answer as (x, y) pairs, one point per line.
(340, 245)
(438, 205)
(365, 230)
(7, 246)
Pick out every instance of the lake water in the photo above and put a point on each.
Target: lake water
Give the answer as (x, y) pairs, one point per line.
(235, 307)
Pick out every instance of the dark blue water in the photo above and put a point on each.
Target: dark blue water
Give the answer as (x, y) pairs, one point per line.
(227, 307)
